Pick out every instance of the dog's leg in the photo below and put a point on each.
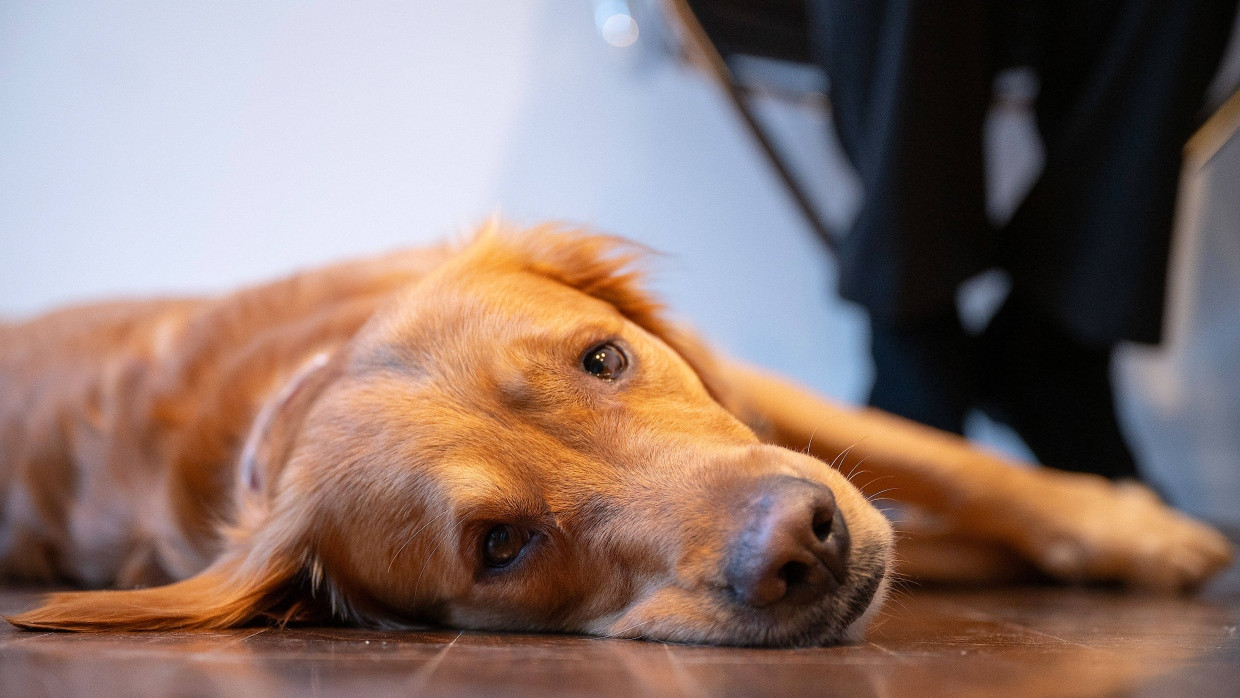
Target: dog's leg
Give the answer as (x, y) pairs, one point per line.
(1071, 526)
(942, 557)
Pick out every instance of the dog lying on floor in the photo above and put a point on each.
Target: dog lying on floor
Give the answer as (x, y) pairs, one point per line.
(505, 435)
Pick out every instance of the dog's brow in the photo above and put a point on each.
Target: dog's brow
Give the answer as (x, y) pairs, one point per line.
(507, 509)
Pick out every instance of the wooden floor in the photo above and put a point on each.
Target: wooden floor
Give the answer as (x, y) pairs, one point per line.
(1010, 642)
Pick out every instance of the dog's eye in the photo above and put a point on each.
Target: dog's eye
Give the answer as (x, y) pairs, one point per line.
(503, 544)
(605, 361)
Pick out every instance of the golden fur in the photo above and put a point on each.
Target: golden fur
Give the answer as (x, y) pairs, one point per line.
(333, 445)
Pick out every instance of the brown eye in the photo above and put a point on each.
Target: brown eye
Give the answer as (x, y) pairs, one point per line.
(503, 544)
(605, 361)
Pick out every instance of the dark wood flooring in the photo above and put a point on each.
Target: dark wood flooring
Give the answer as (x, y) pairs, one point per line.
(998, 642)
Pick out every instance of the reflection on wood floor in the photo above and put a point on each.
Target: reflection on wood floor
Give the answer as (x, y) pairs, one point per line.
(996, 642)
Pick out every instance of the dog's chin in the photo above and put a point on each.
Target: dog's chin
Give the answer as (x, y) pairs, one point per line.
(855, 631)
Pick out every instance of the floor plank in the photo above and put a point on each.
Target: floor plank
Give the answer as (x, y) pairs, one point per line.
(1009, 642)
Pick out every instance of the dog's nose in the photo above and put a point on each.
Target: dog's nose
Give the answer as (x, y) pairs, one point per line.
(793, 546)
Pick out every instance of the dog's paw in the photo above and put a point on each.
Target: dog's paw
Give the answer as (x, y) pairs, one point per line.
(1088, 529)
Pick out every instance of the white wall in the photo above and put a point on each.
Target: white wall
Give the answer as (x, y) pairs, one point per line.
(171, 146)
(159, 145)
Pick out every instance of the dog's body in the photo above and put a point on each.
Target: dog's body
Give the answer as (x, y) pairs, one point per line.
(501, 436)
(123, 423)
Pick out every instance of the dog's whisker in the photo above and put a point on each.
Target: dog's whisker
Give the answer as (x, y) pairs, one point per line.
(870, 484)
(863, 472)
(842, 458)
(414, 535)
(426, 561)
(871, 498)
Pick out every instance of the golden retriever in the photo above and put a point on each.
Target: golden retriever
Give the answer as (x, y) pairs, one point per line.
(504, 435)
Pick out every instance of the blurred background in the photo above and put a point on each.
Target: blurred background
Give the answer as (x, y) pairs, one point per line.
(173, 147)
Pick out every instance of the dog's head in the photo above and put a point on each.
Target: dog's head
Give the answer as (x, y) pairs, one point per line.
(521, 442)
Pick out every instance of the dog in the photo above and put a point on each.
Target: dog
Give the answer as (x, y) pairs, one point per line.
(506, 434)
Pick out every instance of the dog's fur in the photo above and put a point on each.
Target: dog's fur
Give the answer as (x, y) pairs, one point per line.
(334, 446)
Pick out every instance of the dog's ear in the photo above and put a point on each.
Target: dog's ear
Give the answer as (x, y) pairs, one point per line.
(263, 570)
(229, 593)
(273, 433)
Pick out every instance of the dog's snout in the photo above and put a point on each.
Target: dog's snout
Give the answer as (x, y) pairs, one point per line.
(792, 547)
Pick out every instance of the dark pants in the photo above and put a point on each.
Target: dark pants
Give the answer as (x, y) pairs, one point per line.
(1121, 90)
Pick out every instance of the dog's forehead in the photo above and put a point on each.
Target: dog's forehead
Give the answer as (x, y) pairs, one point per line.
(496, 304)
(464, 327)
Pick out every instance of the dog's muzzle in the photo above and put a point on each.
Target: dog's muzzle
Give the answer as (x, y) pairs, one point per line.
(792, 546)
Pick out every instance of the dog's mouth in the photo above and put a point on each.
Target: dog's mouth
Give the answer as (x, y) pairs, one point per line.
(839, 619)
(840, 616)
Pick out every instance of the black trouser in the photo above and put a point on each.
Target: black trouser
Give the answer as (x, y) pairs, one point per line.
(1121, 89)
